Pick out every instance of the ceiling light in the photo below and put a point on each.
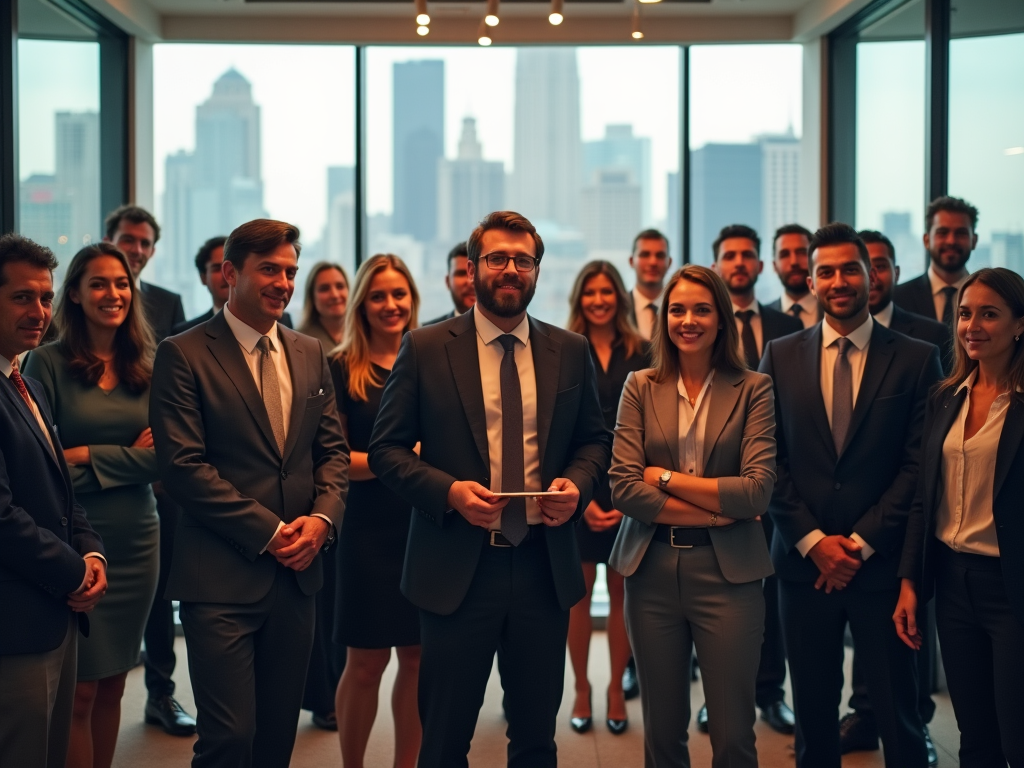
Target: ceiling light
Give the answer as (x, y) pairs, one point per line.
(650, 1)
(491, 19)
(638, 33)
(483, 36)
(422, 17)
(556, 16)
(1013, 151)
(422, 30)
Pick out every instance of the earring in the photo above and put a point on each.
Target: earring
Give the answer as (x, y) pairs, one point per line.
(1016, 338)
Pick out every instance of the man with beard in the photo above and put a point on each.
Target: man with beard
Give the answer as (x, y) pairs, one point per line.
(458, 283)
(850, 396)
(951, 236)
(650, 261)
(500, 404)
(789, 260)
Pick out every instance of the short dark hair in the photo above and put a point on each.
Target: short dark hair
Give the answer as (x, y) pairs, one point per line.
(259, 236)
(14, 247)
(462, 249)
(953, 205)
(510, 220)
(649, 234)
(838, 233)
(791, 229)
(206, 252)
(133, 213)
(735, 230)
(874, 236)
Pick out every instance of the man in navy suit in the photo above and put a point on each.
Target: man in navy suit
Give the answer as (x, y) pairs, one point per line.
(789, 260)
(52, 569)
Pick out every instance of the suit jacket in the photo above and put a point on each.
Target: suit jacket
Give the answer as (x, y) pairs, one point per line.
(286, 321)
(163, 309)
(775, 323)
(441, 319)
(916, 296)
(43, 531)
(219, 460)
(739, 449)
(434, 397)
(924, 328)
(920, 548)
(868, 488)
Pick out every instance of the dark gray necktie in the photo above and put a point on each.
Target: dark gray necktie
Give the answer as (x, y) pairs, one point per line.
(796, 310)
(842, 394)
(270, 386)
(748, 339)
(513, 469)
(947, 311)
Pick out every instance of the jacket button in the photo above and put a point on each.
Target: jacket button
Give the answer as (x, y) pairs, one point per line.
(284, 474)
(838, 486)
(63, 521)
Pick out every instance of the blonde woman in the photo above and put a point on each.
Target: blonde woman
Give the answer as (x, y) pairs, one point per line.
(372, 614)
(325, 301)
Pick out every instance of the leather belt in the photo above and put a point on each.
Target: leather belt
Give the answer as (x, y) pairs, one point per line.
(682, 538)
(533, 532)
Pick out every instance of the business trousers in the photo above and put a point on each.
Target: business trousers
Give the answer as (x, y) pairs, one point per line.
(327, 661)
(158, 658)
(37, 691)
(814, 624)
(675, 600)
(511, 608)
(771, 672)
(982, 645)
(248, 668)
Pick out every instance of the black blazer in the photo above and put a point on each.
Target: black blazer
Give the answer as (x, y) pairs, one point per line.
(918, 562)
(869, 487)
(434, 397)
(43, 531)
(286, 321)
(441, 319)
(163, 309)
(219, 460)
(775, 324)
(916, 296)
(924, 328)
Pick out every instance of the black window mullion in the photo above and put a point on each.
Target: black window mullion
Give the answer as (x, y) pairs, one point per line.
(8, 116)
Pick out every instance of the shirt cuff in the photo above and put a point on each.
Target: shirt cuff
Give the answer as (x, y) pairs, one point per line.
(807, 543)
(85, 578)
(332, 532)
(866, 550)
(277, 530)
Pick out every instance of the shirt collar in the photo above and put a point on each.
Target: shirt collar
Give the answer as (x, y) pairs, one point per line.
(967, 383)
(807, 301)
(754, 307)
(859, 336)
(884, 316)
(489, 331)
(5, 367)
(938, 284)
(246, 335)
(639, 300)
(681, 389)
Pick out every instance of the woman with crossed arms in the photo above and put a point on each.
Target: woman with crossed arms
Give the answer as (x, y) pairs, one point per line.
(693, 465)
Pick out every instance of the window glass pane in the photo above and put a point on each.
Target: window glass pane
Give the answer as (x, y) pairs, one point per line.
(745, 129)
(249, 131)
(59, 144)
(571, 138)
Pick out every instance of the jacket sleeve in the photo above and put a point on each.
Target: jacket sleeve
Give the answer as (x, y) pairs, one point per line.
(911, 557)
(330, 455)
(630, 494)
(747, 495)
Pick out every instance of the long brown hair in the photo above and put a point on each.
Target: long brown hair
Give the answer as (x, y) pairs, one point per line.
(309, 313)
(134, 345)
(355, 347)
(1010, 287)
(632, 342)
(725, 355)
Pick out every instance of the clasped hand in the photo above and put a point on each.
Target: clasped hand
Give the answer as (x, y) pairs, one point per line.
(297, 543)
(838, 559)
(93, 587)
(482, 508)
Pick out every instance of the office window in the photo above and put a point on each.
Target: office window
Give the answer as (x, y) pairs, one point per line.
(745, 129)
(582, 141)
(251, 131)
(986, 115)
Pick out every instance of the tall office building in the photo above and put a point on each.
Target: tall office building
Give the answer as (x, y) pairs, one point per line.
(611, 210)
(1007, 250)
(621, 149)
(780, 183)
(339, 234)
(418, 136)
(546, 181)
(468, 188)
(674, 217)
(910, 253)
(726, 188)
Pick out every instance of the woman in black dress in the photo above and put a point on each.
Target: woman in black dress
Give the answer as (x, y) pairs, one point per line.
(372, 614)
(600, 310)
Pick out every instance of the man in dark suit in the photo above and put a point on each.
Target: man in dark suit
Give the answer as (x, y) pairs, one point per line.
(499, 402)
(250, 444)
(736, 252)
(950, 237)
(650, 261)
(459, 284)
(850, 397)
(52, 570)
(789, 260)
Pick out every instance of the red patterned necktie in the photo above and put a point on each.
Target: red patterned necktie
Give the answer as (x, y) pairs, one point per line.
(20, 384)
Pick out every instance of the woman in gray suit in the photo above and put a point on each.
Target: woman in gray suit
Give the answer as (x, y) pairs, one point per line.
(692, 467)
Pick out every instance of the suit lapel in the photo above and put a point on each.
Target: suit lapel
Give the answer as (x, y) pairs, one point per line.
(464, 361)
(666, 412)
(29, 417)
(547, 358)
(1009, 443)
(300, 387)
(879, 358)
(931, 453)
(724, 395)
(809, 379)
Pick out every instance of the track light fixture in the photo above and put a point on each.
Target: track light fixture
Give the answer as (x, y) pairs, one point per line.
(483, 35)
(650, 1)
(556, 17)
(422, 17)
(638, 32)
(422, 30)
(491, 19)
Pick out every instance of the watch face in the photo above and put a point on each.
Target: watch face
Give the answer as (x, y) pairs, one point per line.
(665, 477)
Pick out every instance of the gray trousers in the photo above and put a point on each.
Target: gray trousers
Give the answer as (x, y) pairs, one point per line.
(678, 599)
(37, 692)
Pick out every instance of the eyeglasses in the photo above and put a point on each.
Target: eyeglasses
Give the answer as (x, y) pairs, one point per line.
(499, 261)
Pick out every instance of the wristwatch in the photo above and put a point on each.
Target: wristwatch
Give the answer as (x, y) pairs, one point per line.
(664, 477)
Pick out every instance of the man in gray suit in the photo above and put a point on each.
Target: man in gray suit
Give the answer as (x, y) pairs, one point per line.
(250, 444)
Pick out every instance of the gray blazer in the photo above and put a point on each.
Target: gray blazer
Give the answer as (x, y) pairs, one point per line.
(739, 449)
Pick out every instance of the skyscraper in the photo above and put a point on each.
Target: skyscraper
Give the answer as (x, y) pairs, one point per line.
(546, 180)
(611, 210)
(418, 136)
(726, 188)
(78, 172)
(621, 149)
(780, 182)
(468, 188)
(339, 237)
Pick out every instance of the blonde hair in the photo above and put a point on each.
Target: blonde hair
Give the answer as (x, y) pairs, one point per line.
(355, 346)
(631, 340)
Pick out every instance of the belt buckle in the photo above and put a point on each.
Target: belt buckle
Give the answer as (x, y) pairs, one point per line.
(497, 544)
(672, 539)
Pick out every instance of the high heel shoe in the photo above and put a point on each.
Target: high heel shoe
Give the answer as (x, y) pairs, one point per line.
(583, 724)
(617, 727)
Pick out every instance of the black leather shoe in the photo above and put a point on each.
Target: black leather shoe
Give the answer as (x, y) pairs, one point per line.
(857, 733)
(933, 755)
(630, 683)
(702, 719)
(780, 717)
(168, 714)
(325, 721)
(583, 724)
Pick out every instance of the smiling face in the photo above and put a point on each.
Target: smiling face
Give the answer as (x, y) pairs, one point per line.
(738, 264)
(388, 304)
(26, 306)
(137, 241)
(950, 240)
(104, 293)
(986, 326)
(262, 288)
(213, 278)
(504, 292)
(330, 294)
(598, 301)
(840, 280)
(884, 276)
(693, 320)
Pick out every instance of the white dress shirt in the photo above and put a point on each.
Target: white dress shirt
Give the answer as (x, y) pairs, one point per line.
(755, 323)
(810, 306)
(884, 316)
(646, 311)
(857, 354)
(490, 352)
(965, 521)
(938, 286)
(693, 420)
